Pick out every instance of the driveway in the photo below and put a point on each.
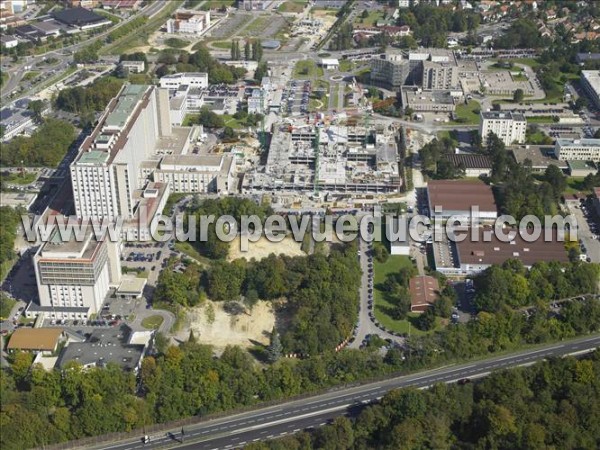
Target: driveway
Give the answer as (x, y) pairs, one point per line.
(365, 324)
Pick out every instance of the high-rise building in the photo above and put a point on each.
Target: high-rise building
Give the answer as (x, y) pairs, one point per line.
(73, 276)
(508, 126)
(391, 72)
(105, 175)
(189, 22)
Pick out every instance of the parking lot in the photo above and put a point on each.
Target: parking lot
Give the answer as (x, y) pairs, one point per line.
(588, 230)
(297, 96)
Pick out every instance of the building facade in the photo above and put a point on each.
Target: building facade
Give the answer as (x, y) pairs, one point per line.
(590, 80)
(391, 72)
(577, 149)
(509, 127)
(192, 79)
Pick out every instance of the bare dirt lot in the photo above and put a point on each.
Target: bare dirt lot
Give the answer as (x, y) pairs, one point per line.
(243, 329)
(263, 248)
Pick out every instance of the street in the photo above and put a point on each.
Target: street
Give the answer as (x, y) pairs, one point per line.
(295, 415)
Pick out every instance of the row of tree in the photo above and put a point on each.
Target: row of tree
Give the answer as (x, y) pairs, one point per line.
(253, 50)
(550, 405)
(41, 407)
(512, 285)
(11, 219)
(90, 99)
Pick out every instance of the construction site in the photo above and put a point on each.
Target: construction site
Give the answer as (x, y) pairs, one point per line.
(319, 155)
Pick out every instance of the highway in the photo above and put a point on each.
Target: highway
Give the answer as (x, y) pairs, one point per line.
(65, 54)
(274, 421)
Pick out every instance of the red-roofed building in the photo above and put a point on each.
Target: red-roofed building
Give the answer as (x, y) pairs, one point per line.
(424, 291)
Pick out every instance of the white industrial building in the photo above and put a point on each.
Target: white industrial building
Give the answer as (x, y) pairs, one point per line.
(134, 66)
(508, 126)
(590, 80)
(577, 149)
(192, 79)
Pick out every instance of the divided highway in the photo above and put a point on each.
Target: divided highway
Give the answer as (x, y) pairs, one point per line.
(270, 422)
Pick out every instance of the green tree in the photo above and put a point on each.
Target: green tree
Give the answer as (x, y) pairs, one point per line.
(275, 348)
(518, 95)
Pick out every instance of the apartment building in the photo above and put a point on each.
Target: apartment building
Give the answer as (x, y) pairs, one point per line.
(73, 276)
(508, 126)
(577, 149)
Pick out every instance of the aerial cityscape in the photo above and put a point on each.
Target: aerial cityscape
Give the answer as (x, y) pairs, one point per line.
(299, 224)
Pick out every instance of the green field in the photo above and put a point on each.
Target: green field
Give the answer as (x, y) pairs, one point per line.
(30, 75)
(540, 119)
(468, 113)
(216, 4)
(575, 185)
(6, 306)
(152, 322)
(306, 69)
(257, 26)
(189, 250)
(220, 44)
(381, 305)
(17, 178)
(371, 20)
(292, 6)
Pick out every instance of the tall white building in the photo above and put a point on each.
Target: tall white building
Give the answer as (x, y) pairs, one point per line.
(73, 276)
(508, 126)
(105, 173)
(577, 149)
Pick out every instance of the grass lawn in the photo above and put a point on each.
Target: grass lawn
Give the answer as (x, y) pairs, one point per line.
(531, 62)
(189, 250)
(371, 20)
(190, 119)
(469, 112)
(540, 119)
(257, 26)
(17, 178)
(295, 6)
(519, 77)
(306, 69)
(347, 65)
(231, 122)
(5, 267)
(30, 75)
(381, 270)
(152, 322)
(216, 4)
(575, 185)
(537, 138)
(221, 44)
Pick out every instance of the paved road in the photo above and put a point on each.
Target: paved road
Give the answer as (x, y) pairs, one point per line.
(365, 324)
(16, 73)
(292, 416)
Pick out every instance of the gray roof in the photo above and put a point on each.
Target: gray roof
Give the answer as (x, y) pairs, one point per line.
(105, 345)
(497, 115)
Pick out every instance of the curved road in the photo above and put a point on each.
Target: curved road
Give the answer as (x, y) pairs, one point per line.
(274, 421)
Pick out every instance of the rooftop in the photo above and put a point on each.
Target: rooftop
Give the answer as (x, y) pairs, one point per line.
(593, 78)
(77, 16)
(131, 95)
(578, 142)
(540, 156)
(498, 115)
(497, 251)
(470, 161)
(35, 339)
(104, 346)
(423, 292)
(94, 156)
(457, 195)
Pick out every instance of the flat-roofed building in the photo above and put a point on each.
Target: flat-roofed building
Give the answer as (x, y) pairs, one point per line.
(476, 256)
(424, 291)
(590, 80)
(577, 149)
(134, 66)
(36, 340)
(440, 75)
(428, 101)
(329, 63)
(116, 345)
(75, 273)
(509, 127)
(538, 157)
(192, 79)
(458, 198)
(197, 173)
(17, 199)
